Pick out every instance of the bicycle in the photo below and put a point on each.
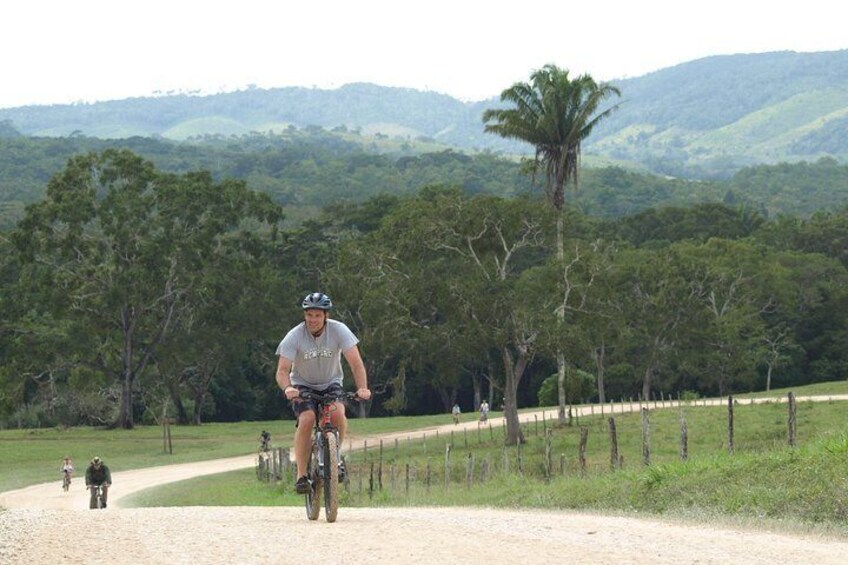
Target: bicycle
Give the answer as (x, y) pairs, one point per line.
(96, 501)
(322, 468)
(66, 480)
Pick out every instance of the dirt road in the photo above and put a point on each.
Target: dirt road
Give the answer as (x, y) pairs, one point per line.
(44, 525)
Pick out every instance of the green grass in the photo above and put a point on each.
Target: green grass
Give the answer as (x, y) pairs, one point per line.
(763, 480)
(32, 456)
(241, 488)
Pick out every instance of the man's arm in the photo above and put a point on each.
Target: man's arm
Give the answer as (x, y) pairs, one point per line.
(354, 360)
(283, 381)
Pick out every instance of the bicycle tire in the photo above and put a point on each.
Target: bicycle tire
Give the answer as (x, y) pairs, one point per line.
(313, 499)
(331, 476)
(94, 503)
(66, 483)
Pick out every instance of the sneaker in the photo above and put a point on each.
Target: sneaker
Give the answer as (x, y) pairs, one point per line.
(302, 486)
(342, 471)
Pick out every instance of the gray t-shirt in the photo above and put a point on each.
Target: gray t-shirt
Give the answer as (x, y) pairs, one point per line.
(317, 361)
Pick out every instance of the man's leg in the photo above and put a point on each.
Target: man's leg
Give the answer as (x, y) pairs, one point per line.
(340, 421)
(105, 494)
(303, 440)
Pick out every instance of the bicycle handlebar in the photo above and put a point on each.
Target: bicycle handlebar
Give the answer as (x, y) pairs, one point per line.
(328, 398)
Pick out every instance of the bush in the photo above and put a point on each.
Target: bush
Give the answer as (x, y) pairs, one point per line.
(578, 385)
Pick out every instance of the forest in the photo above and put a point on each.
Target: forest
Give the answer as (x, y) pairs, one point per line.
(136, 285)
(307, 169)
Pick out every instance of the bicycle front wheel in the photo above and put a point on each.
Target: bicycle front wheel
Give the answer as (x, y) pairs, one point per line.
(331, 476)
(94, 502)
(313, 499)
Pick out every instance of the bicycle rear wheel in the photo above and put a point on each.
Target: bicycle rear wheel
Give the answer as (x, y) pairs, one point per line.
(313, 499)
(331, 476)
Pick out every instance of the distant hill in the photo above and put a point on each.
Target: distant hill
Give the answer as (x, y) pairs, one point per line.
(703, 119)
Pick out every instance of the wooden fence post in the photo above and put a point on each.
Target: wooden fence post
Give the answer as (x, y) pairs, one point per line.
(469, 471)
(584, 437)
(684, 437)
(520, 461)
(613, 444)
(646, 438)
(447, 464)
(380, 468)
(548, 456)
(730, 424)
(792, 421)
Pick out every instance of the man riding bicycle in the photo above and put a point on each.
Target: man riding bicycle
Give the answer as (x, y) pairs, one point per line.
(98, 474)
(67, 470)
(310, 359)
(484, 411)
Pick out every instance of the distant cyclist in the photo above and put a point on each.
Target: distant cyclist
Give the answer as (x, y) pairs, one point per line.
(67, 470)
(98, 474)
(310, 358)
(484, 411)
(455, 412)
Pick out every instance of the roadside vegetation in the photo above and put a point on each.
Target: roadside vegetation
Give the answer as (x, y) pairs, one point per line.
(32, 456)
(763, 481)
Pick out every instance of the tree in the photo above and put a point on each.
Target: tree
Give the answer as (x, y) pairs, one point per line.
(555, 114)
(120, 245)
(492, 241)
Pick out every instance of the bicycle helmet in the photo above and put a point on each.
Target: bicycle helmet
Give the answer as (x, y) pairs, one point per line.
(317, 301)
(96, 461)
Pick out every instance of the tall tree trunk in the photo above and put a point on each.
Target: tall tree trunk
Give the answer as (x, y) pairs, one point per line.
(560, 355)
(199, 401)
(646, 382)
(477, 385)
(174, 393)
(513, 373)
(599, 355)
(125, 412)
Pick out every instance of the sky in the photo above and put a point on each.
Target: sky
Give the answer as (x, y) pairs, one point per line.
(59, 52)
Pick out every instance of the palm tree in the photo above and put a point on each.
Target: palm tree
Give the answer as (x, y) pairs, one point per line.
(555, 114)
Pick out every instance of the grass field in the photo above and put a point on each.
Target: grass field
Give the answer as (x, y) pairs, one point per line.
(31, 456)
(762, 480)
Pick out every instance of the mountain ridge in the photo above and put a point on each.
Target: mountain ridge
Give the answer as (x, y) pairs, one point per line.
(700, 119)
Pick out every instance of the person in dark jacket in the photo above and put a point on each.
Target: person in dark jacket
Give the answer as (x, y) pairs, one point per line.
(97, 474)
